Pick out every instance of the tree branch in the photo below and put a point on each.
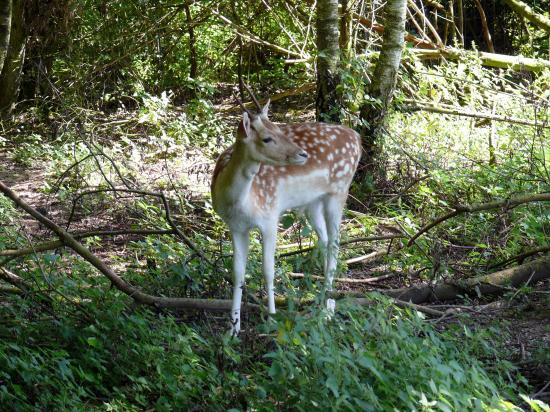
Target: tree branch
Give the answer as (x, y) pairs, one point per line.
(167, 215)
(416, 106)
(344, 242)
(504, 203)
(54, 244)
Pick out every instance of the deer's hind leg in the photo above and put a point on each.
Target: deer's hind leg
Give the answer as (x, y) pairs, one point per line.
(316, 217)
(333, 206)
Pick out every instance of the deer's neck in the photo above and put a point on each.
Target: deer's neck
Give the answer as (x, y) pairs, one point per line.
(236, 178)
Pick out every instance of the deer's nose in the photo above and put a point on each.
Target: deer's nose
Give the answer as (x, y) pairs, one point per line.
(303, 154)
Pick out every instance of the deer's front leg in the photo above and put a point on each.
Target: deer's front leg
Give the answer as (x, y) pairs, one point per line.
(240, 255)
(269, 240)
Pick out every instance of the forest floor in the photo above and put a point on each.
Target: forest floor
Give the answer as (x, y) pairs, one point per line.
(526, 320)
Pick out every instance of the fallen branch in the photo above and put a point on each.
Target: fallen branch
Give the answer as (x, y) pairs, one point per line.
(487, 59)
(524, 10)
(360, 299)
(522, 256)
(366, 258)
(279, 96)
(491, 284)
(54, 244)
(409, 305)
(344, 280)
(504, 203)
(167, 214)
(345, 242)
(14, 280)
(415, 106)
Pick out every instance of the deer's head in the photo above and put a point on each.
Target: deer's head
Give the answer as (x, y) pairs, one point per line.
(265, 142)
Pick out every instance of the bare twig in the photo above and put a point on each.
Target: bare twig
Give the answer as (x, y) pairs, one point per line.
(167, 215)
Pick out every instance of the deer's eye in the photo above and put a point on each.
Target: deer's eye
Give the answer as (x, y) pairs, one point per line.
(267, 140)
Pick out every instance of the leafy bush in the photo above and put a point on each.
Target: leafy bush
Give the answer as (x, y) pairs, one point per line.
(376, 358)
(379, 359)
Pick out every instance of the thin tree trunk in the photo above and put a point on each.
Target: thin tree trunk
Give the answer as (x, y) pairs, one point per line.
(346, 28)
(328, 59)
(449, 24)
(5, 28)
(383, 84)
(10, 77)
(192, 43)
(485, 27)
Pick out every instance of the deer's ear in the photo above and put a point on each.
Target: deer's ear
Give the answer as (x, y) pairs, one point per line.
(244, 127)
(265, 109)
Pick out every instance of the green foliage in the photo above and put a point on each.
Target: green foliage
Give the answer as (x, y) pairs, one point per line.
(378, 358)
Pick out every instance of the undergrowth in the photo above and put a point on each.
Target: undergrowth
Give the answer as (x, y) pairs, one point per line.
(375, 358)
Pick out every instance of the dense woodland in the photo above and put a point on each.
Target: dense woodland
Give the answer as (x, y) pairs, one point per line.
(115, 272)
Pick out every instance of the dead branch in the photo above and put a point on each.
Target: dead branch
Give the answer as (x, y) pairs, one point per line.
(167, 215)
(244, 33)
(360, 299)
(456, 111)
(487, 59)
(432, 29)
(367, 258)
(522, 256)
(14, 280)
(379, 28)
(345, 242)
(54, 244)
(497, 204)
(403, 304)
(279, 96)
(491, 284)
(344, 280)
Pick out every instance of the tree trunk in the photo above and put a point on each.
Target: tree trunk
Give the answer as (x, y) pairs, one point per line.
(525, 11)
(373, 111)
(192, 43)
(328, 59)
(10, 76)
(346, 28)
(5, 28)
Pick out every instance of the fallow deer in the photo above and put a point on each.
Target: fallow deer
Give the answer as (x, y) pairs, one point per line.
(272, 168)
